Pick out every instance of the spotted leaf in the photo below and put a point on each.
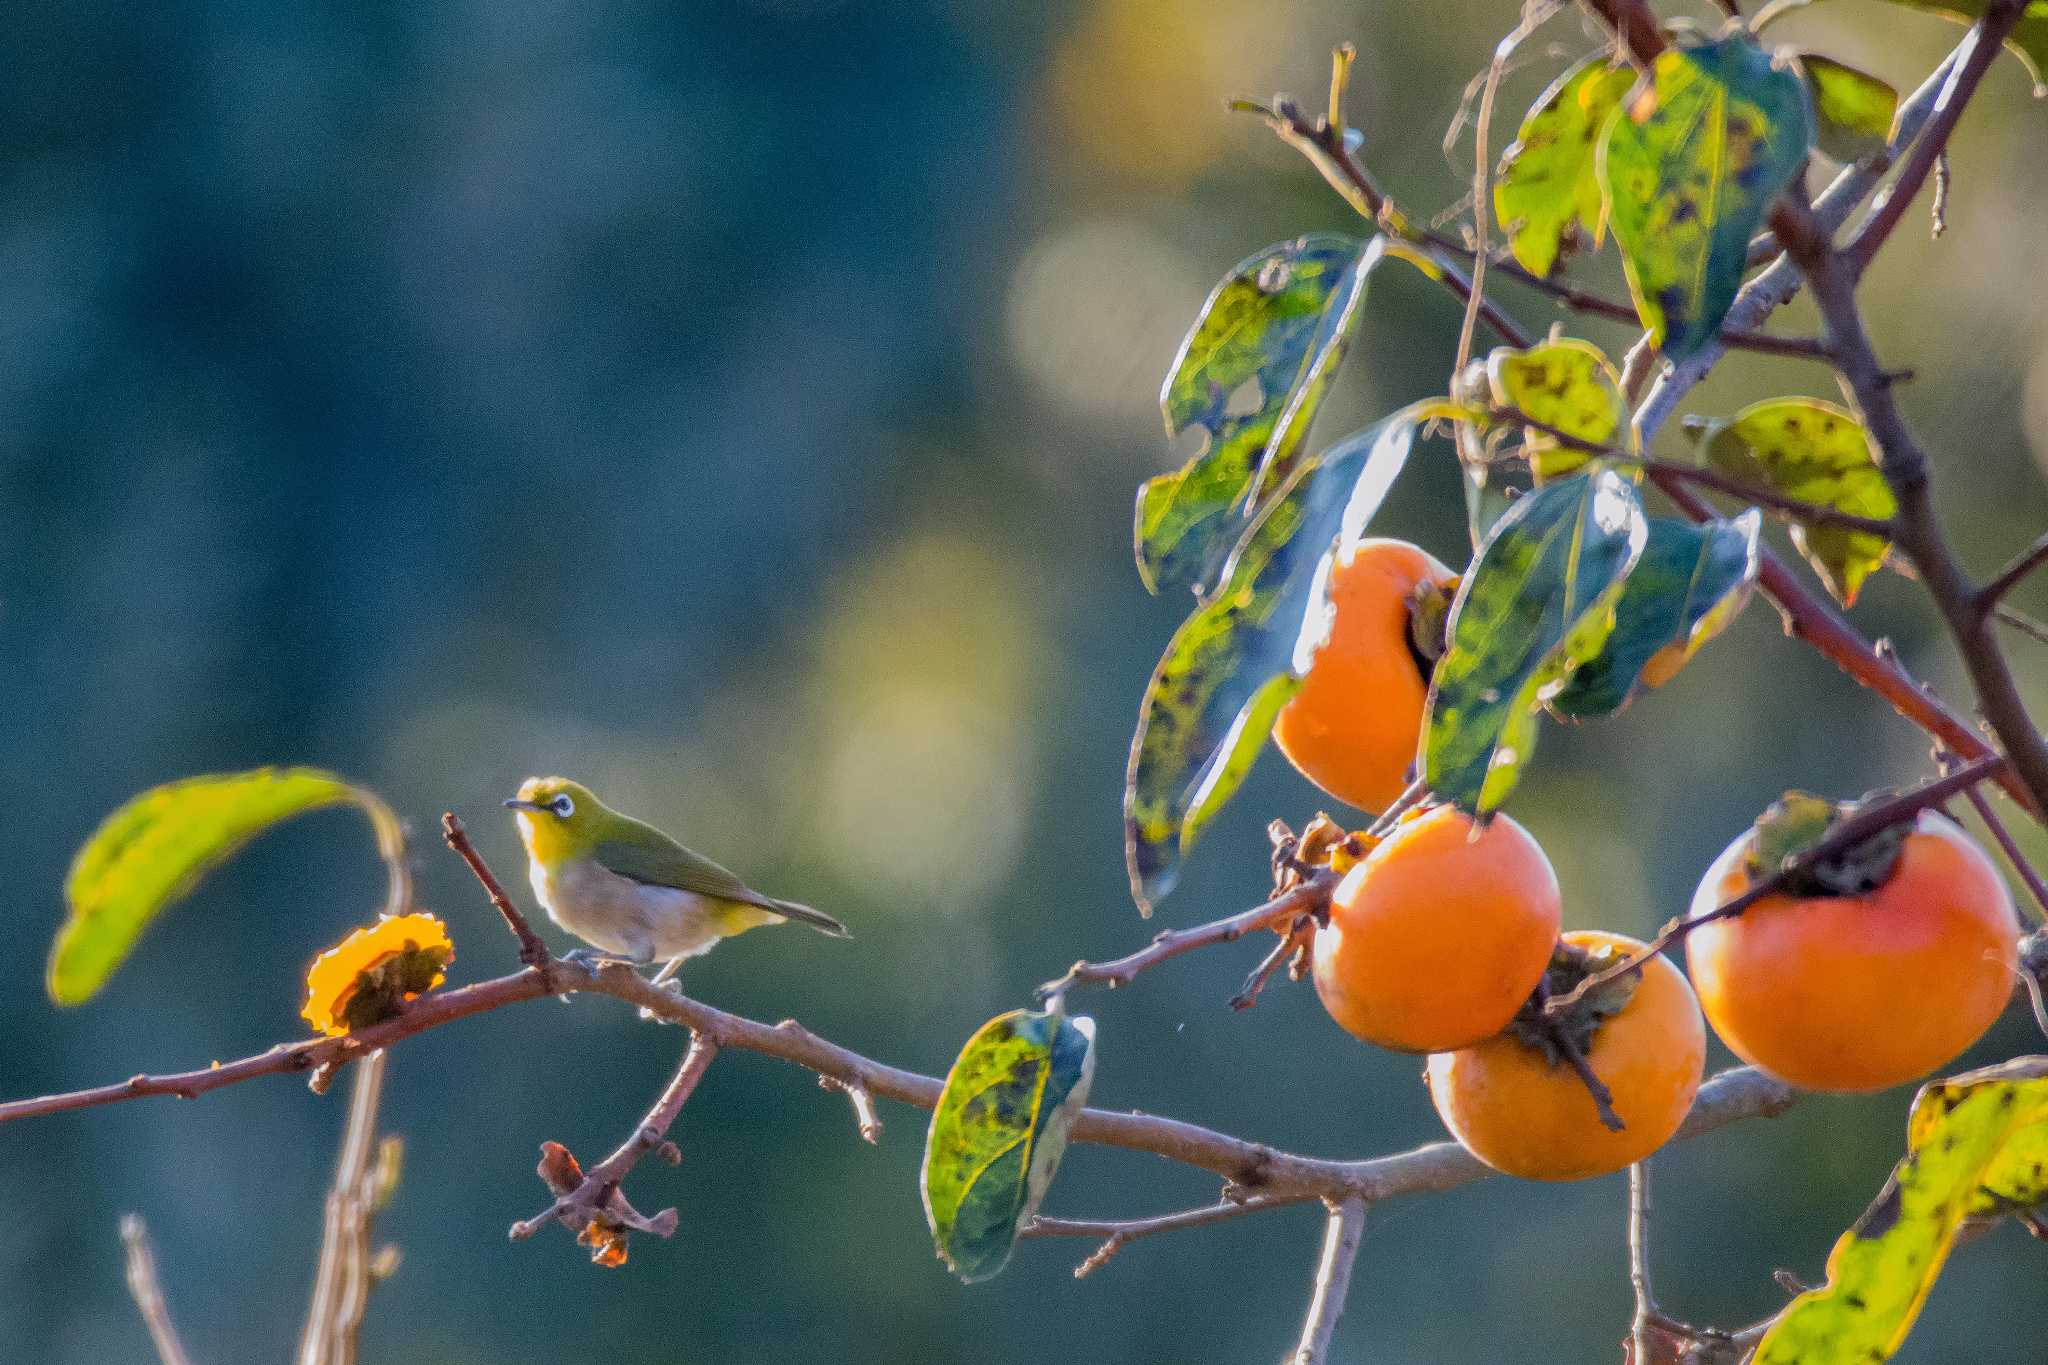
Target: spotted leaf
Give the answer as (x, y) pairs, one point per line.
(1246, 386)
(1688, 183)
(1690, 582)
(1537, 602)
(1816, 452)
(1236, 661)
(1546, 194)
(1976, 1147)
(998, 1132)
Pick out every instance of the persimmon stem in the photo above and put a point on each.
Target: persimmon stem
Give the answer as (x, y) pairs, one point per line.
(1310, 895)
(1298, 936)
(1846, 834)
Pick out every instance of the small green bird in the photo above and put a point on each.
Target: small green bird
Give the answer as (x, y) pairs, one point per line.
(629, 890)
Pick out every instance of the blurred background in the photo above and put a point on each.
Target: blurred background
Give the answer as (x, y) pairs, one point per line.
(738, 405)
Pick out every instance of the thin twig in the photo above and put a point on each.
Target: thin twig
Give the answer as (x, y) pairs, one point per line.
(1310, 895)
(1298, 936)
(1325, 150)
(2008, 578)
(864, 1116)
(596, 1196)
(341, 1280)
(532, 952)
(1341, 1238)
(147, 1291)
(2021, 867)
(2021, 622)
(1639, 1260)
(1846, 834)
(1120, 1233)
(1979, 48)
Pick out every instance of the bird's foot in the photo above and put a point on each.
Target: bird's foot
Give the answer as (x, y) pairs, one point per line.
(590, 959)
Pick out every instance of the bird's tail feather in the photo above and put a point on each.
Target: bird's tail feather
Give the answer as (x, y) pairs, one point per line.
(817, 919)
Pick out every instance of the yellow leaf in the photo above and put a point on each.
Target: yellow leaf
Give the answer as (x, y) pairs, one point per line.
(1977, 1145)
(154, 850)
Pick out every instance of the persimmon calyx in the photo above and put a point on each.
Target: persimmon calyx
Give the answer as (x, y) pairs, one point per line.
(1570, 964)
(1798, 822)
(1429, 621)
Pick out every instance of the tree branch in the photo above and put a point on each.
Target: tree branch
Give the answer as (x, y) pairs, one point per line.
(1639, 1259)
(1341, 1238)
(532, 951)
(1906, 468)
(1311, 895)
(2008, 578)
(1118, 1234)
(1845, 834)
(148, 1293)
(341, 1282)
(593, 1196)
(2023, 869)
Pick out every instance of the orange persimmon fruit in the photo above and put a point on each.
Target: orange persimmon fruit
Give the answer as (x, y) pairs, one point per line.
(1354, 726)
(1436, 937)
(1517, 1105)
(1869, 983)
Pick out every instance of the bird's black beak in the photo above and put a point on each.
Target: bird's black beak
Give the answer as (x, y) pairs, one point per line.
(516, 804)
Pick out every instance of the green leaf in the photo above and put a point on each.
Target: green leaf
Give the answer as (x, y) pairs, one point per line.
(998, 1132)
(1688, 186)
(1487, 499)
(1819, 453)
(1567, 384)
(154, 850)
(1690, 582)
(1536, 603)
(1213, 698)
(2029, 40)
(1546, 194)
(1853, 110)
(1976, 1146)
(1247, 383)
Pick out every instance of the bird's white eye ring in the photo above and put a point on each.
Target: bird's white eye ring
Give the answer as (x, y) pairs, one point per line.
(562, 806)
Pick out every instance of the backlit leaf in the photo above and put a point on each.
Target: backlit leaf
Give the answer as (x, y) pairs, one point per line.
(1690, 582)
(1246, 384)
(1546, 194)
(1819, 453)
(1853, 110)
(1566, 384)
(1536, 603)
(1213, 698)
(1688, 186)
(151, 852)
(1976, 1146)
(998, 1132)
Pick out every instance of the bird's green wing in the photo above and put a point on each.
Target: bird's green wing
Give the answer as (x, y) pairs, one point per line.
(645, 854)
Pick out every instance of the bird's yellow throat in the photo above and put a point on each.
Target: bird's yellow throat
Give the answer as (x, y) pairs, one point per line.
(546, 840)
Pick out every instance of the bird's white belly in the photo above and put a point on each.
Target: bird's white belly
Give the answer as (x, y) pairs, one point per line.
(622, 916)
